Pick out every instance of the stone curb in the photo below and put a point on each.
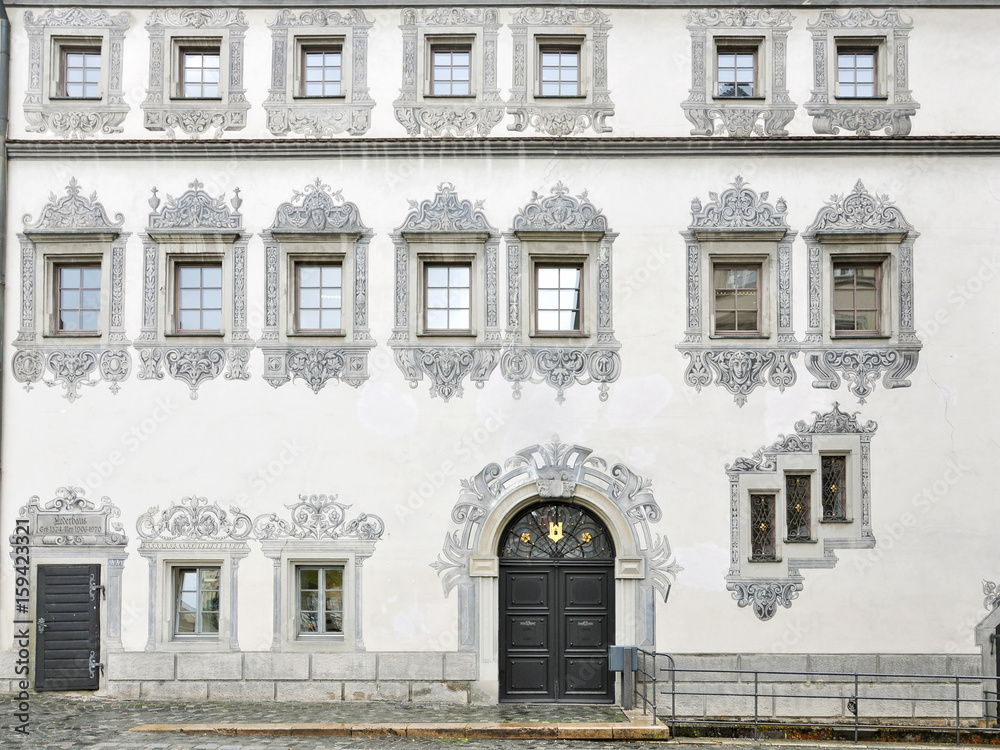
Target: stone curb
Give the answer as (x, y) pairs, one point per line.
(451, 730)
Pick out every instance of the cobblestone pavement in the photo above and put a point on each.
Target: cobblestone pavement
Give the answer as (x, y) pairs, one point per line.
(58, 721)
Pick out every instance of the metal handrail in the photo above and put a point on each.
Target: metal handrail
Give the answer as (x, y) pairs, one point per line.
(658, 671)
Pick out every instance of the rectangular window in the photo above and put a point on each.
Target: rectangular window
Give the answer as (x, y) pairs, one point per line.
(322, 71)
(319, 297)
(560, 68)
(856, 73)
(451, 70)
(558, 299)
(737, 72)
(81, 72)
(762, 547)
(448, 297)
(797, 499)
(199, 297)
(737, 299)
(320, 600)
(196, 610)
(200, 73)
(857, 297)
(78, 296)
(834, 469)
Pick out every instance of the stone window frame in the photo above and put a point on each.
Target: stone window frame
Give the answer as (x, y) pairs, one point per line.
(560, 116)
(442, 228)
(318, 533)
(736, 225)
(194, 226)
(765, 115)
(165, 109)
(319, 117)
(316, 224)
(192, 533)
(893, 106)
(66, 117)
(555, 226)
(424, 114)
(766, 585)
(860, 225)
(71, 228)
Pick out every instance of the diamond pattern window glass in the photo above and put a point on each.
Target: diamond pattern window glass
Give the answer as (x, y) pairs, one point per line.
(197, 601)
(834, 470)
(449, 297)
(558, 298)
(200, 74)
(81, 73)
(856, 73)
(79, 298)
(762, 546)
(321, 600)
(560, 71)
(857, 297)
(737, 299)
(557, 531)
(737, 73)
(452, 67)
(199, 297)
(797, 499)
(319, 290)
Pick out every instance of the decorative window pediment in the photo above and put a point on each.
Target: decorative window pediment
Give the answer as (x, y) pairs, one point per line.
(767, 581)
(887, 103)
(317, 536)
(447, 330)
(48, 106)
(739, 265)
(759, 33)
(320, 234)
(289, 108)
(72, 232)
(861, 231)
(565, 233)
(195, 232)
(472, 110)
(582, 32)
(214, 31)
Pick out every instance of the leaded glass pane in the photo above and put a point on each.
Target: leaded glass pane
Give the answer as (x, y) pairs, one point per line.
(797, 496)
(762, 548)
(834, 469)
(557, 531)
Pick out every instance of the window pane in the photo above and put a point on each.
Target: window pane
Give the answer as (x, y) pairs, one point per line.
(330, 320)
(437, 276)
(91, 277)
(725, 320)
(334, 622)
(331, 299)
(459, 320)
(190, 276)
(437, 319)
(309, 297)
(69, 299)
(334, 578)
(69, 321)
(548, 299)
(332, 275)
(568, 320)
(548, 277)
(309, 320)
(210, 578)
(460, 276)
(211, 320)
(185, 623)
(190, 299)
(437, 298)
(212, 276)
(88, 320)
(548, 320)
(212, 299)
(210, 622)
(210, 601)
(458, 298)
(309, 601)
(867, 320)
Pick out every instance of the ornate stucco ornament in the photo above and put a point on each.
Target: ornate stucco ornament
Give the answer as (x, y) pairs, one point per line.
(71, 520)
(318, 517)
(193, 519)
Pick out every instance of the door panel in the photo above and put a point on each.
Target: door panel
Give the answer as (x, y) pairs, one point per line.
(68, 633)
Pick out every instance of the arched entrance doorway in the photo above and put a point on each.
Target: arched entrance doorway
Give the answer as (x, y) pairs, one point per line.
(556, 595)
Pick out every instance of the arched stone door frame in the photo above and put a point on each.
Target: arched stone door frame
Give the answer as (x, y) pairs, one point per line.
(489, 501)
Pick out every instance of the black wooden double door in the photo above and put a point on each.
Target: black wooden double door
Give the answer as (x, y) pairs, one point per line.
(67, 617)
(556, 622)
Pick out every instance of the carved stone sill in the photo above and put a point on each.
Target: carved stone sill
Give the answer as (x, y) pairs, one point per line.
(862, 367)
(315, 365)
(765, 594)
(194, 364)
(561, 367)
(739, 371)
(447, 366)
(315, 121)
(738, 121)
(560, 120)
(75, 120)
(449, 119)
(195, 118)
(828, 119)
(72, 367)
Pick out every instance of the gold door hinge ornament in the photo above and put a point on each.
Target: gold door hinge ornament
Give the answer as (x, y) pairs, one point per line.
(555, 531)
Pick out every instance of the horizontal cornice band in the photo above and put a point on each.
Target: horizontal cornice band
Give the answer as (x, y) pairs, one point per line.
(507, 148)
(640, 4)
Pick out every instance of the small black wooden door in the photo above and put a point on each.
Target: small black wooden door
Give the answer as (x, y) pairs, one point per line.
(556, 607)
(67, 616)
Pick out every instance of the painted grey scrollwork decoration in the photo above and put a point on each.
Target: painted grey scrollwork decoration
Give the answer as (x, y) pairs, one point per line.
(70, 519)
(194, 519)
(319, 517)
(766, 596)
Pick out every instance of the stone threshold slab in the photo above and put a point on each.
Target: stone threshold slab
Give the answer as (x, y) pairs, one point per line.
(452, 730)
